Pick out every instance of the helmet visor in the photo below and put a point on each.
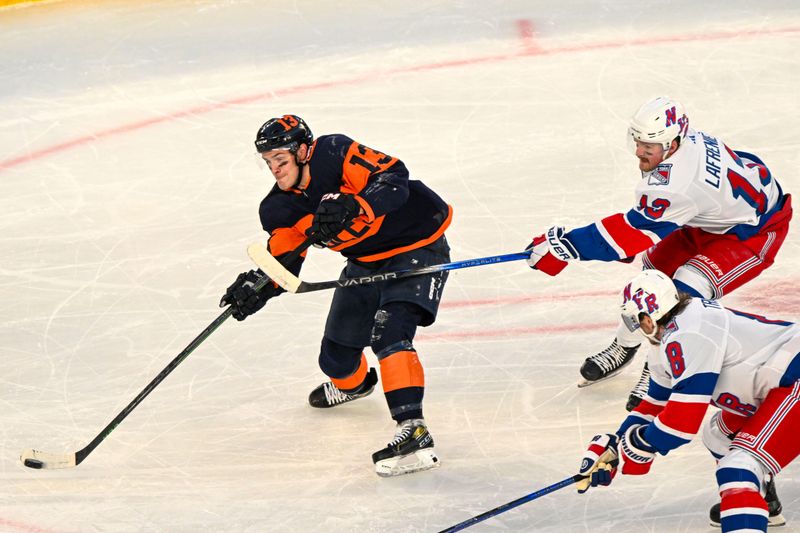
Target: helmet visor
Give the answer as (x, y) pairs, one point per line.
(260, 163)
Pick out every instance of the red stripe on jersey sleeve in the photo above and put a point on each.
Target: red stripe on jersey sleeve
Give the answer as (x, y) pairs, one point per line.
(683, 417)
(631, 240)
(649, 409)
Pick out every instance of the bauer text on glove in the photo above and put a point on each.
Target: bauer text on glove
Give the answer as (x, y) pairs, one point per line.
(551, 251)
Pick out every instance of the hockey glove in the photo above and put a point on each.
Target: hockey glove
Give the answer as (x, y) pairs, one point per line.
(599, 463)
(335, 213)
(636, 453)
(551, 251)
(242, 296)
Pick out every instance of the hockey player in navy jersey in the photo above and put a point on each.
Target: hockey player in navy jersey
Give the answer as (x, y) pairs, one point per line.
(710, 217)
(747, 365)
(359, 202)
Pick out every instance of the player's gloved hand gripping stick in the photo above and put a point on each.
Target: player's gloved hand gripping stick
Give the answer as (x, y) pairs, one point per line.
(516, 503)
(598, 466)
(38, 459)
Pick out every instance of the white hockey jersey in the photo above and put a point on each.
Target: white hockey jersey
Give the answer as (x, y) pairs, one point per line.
(710, 354)
(704, 184)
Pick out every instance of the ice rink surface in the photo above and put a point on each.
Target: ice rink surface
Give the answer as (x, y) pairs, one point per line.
(128, 194)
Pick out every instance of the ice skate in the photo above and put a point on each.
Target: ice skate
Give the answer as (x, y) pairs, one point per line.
(606, 364)
(776, 519)
(640, 390)
(328, 395)
(411, 450)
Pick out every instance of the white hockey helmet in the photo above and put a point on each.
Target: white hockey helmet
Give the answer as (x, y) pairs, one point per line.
(651, 292)
(660, 120)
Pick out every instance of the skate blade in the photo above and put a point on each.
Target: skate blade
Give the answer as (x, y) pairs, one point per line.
(408, 464)
(776, 521)
(583, 382)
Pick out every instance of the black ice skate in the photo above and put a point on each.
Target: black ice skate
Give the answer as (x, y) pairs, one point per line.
(411, 450)
(639, 391)
(607, 363)
(328, 395)
(776, 519)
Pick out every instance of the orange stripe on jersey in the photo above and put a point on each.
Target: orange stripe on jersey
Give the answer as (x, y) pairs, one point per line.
(631, 240)
(284, 240)
(683, 417)
(359, 230)
(401, 370)
(360, 163)
(370, 214)
(352, 382)
(414, 246)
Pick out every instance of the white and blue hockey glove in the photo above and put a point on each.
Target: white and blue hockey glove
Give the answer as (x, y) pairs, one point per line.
(550, 252)
(599, 463)
(636, 453)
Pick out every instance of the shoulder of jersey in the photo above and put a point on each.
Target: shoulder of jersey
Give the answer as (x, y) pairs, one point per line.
(677, 172)
(688, 320)
(331, 145)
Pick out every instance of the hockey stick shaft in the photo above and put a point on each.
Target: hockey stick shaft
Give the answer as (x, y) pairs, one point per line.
(510, 505)
(36, 459)
(292, 283)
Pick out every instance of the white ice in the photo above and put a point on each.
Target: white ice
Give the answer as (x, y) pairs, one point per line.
(128, 194)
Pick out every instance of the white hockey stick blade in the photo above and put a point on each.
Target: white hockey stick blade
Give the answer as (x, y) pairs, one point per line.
(272, 268)
(36, 459)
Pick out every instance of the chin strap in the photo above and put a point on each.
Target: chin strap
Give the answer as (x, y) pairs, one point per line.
(652, 336)
(300, 168)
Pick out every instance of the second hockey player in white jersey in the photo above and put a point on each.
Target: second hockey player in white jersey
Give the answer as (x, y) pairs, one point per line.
(708, 216)
(745, 364)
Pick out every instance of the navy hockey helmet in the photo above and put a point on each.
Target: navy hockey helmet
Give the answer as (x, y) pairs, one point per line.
(284, 133)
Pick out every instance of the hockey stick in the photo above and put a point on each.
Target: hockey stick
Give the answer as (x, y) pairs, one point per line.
(510, 505)
(38, 459)
(272, 268)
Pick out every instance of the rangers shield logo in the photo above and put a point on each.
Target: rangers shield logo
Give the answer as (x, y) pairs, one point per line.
(660, 176)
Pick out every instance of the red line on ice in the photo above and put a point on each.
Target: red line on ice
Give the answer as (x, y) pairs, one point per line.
(19, 526)
(516, 332)
(530, 298)
(527, 34)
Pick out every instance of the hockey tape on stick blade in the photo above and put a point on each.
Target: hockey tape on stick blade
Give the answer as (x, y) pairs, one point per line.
(272, 268)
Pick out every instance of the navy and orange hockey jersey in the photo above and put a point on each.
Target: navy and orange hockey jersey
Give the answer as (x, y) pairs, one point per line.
(400, 214)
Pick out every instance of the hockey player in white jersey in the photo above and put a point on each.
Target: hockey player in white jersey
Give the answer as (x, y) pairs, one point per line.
(745, 364)
(709, 217)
